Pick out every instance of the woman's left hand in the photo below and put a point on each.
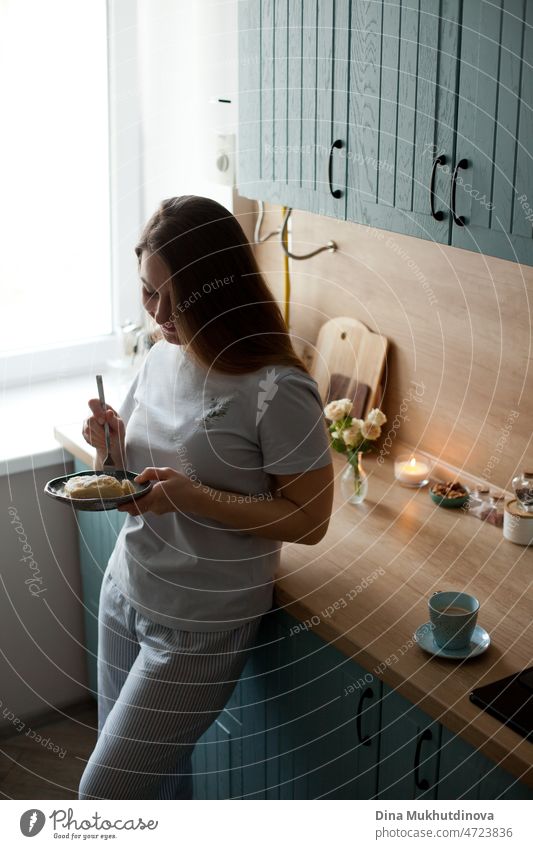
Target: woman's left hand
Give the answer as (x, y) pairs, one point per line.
(171, 493)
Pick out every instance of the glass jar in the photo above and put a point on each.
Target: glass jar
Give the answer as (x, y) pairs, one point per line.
(523, 489)
(354, 481)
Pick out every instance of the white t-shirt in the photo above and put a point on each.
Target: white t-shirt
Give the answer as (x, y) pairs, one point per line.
(229, 432)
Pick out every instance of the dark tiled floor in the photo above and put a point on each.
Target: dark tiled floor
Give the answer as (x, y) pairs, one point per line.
(30, 770)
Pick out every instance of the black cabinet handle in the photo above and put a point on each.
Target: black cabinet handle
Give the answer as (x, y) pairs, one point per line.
(367, 694)
(457, 219)
(421, 784)
(339, 145)
(438, 214)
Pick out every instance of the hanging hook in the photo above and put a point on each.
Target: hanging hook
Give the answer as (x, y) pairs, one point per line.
(330, 246)
(257, 232)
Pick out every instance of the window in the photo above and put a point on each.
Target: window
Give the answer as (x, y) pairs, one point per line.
(55, 171)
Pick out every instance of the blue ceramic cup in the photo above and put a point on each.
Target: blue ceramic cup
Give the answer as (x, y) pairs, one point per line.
(454, 617)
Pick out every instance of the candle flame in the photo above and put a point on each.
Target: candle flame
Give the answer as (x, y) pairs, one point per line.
(412, 462)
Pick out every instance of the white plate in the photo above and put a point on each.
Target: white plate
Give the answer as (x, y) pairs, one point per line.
(480, 641)
(54, 489)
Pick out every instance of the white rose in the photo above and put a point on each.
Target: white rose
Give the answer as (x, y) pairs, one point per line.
(352, 435)
(376, 417)
(337, 410)
(370, 430)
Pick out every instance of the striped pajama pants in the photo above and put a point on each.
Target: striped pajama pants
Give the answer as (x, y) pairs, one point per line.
(159, 689)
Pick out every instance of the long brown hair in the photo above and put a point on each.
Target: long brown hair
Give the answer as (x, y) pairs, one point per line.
(222, 307)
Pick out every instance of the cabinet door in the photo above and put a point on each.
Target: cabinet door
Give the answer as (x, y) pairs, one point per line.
(252, 714)
(344, 753)
(228, 756)
(293, 103)
(465, 773)
(304, 53)
(98, 534)
(249, 137)
(217, 759)
(297, 729)
(328, 195)
(317, 751)
(409, 749)
(264, 96)
(309, 105)
(323, 722)
(494, 192)
(402, 102)
(265, 713)
(315, 108)
(361, 724)
(316, 714)
(285, 727)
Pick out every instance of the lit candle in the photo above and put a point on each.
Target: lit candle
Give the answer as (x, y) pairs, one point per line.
(411, 472)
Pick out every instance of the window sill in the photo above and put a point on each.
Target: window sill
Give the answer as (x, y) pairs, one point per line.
(31, 412)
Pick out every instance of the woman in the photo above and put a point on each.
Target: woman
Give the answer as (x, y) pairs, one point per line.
(227, 423)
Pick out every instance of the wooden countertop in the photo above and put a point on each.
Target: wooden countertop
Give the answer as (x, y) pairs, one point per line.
(413, 548)
(70, 438)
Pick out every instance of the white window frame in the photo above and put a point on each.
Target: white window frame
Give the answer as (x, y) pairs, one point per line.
(126, 214)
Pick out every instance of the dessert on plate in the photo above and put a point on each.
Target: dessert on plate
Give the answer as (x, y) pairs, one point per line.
(97, 486)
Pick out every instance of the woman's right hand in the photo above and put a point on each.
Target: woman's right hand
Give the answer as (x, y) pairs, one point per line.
(93, 432)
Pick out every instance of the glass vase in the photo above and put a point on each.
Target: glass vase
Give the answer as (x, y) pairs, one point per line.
(354, 482)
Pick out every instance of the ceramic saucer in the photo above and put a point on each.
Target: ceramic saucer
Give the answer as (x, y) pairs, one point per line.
(479, 643)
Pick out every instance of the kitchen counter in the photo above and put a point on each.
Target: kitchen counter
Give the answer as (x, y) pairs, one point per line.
(364, 589)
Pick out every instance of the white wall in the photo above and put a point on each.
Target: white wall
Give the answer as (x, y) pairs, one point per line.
(188, 55)
(126, 159)
(42, 662)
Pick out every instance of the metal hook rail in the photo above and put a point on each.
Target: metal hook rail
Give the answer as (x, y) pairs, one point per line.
(257, 232)
(330, 246)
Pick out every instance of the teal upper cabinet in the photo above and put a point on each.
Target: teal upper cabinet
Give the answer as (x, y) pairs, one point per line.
(402, 84)
(494, 192)
(250, 124)
(329, 194)
(414, 116)
(293, 102)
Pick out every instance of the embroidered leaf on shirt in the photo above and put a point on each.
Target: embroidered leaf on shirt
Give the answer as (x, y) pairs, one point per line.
(218, 407)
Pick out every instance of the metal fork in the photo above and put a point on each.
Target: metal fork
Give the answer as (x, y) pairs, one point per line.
(108, 464)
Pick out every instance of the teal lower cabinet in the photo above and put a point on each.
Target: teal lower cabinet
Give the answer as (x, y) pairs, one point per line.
(359, 740)
(465, 773)
(316, 725)
(307, 722)
(218, 758)
(409, 750)
(268, 709)
(339, 710)
(98, 533)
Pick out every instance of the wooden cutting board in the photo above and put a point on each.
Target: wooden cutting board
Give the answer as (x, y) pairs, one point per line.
(347, 358)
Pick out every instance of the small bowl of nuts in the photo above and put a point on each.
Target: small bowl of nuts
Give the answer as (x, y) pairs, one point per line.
(449, 494)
